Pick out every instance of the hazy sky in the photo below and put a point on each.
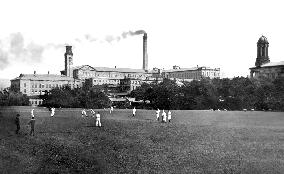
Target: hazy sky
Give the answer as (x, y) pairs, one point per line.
(214, 33)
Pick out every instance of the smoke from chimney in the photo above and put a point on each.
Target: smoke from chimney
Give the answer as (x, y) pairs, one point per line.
(132, 33)
(16, 48)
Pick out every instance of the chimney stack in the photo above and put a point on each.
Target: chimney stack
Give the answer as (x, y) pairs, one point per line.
(145, 54)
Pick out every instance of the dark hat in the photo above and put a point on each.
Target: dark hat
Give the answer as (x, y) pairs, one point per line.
(18, 115)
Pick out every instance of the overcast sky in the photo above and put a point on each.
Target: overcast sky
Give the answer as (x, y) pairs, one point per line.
(217, 33)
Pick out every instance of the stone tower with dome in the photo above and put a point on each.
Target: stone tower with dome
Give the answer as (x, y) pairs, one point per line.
(263, 67)
(262, 51)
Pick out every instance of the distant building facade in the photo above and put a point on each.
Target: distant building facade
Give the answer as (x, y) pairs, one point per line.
(118, 80)
(263, 67)
(195, 73)
(34, 85)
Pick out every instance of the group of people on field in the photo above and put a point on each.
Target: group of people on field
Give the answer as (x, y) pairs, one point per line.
(164, 116)
(31, 123)
(95, 115)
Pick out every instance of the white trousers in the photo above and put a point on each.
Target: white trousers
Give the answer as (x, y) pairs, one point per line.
(98, 122)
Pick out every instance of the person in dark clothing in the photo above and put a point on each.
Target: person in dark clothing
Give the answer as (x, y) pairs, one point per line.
(32, 124)
(17, 122)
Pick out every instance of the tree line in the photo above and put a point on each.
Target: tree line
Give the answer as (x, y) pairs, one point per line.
(85, 97)
(11, 98)
(231, 94)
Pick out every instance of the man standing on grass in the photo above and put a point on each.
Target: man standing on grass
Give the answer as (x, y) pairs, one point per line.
(52, 111)
(111, 110)
(98, 120)
(169, 116)
(134, 112)
(164, 116)
(17, 122)
(158, 114)
(32, 124)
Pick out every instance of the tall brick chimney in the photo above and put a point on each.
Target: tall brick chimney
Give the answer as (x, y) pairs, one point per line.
(145, 54)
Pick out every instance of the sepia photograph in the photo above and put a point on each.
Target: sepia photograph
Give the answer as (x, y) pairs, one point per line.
(141, 87)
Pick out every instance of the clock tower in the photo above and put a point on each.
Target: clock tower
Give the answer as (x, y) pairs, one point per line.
(68, 61)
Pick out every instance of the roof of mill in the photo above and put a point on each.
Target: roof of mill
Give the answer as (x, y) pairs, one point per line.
(50, 77)
(107, 69)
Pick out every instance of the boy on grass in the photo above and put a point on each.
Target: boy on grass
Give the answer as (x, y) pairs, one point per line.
(164, 117)
(52, 111)
(134, 112)
(32, 124)
(158, 114)
(17, 122)
(98, 120)
(169, 116)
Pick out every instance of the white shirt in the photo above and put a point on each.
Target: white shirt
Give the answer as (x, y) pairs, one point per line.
(169, 115)
(98, 116)
(158, 112)
(134, 111)
(32, 113)
(164, 116)
(83, 112)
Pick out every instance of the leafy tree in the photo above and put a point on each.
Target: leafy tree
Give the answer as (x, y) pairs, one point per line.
(87, 97)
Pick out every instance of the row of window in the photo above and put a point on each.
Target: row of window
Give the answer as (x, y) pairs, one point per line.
(107, 81)
(185, 75)
(45, 85)
(90, 74)
(208, 74)
(193, 75)
(273, 75)
(136, 82)
(37, 91)
(36, 102)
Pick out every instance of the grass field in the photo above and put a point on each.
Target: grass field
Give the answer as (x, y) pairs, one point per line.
(194, 142)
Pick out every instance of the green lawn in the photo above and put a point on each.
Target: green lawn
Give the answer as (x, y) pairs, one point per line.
(194, 142)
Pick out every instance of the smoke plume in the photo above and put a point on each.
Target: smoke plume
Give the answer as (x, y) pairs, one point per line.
(112, 38)
(3, 59)
(132, 33)
(18, 50)
(90, 38)
(15, 48)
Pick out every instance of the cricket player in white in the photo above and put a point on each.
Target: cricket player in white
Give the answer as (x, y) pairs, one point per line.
(93, 112)
(134, 112)
(32, 113)
(164, 115)
(111, 110)
(84, 113)
(169, 116)
(52, 112)
(158, 114)
(98, 119)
